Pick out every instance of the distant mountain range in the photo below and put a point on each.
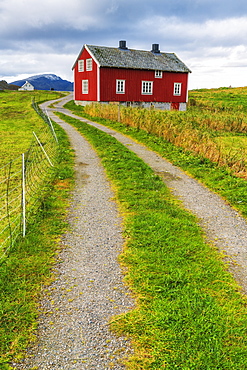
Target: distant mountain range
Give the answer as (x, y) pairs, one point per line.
(46, 82)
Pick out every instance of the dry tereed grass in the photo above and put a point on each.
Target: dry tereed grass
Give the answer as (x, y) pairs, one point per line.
(193, 130)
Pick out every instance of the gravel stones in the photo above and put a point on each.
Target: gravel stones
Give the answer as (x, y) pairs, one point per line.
(88, 290)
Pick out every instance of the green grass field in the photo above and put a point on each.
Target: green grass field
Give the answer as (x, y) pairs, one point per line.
(28, 265)
(232, 99)
(19, 120)
(190, 314)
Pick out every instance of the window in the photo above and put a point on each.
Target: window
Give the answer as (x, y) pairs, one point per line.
(147, 87)
(120, 86)
(84, 86)
(158, 74)
(89, 64)
(80, 65)
(177, 88)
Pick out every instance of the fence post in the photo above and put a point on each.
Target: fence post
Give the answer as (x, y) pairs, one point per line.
(47, 157)
(23, 197)
(8, 202)
(51, 126)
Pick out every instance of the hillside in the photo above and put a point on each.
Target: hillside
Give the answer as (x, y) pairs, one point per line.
(5, 86)
(47, 82)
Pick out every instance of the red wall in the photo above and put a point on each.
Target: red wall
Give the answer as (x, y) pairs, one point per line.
(91, 76)
(162, 87)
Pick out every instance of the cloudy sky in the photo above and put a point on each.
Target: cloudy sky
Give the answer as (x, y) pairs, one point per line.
(45, 36)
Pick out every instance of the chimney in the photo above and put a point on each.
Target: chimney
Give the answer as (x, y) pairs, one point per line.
(122, 45)
(155, 48)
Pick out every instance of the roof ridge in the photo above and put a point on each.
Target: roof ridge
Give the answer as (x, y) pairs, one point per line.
(108, 56)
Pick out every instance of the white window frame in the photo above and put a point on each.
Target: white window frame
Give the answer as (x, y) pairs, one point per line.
(89, 64)
(85, 87)
(120, 86)
(147, 87)
(177, 88)
(81, 65)
(158, 74)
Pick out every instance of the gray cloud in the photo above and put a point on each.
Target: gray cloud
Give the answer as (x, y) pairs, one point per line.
(46, 36)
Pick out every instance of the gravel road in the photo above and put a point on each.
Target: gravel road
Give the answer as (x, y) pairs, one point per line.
(88, 291)
(73, 331)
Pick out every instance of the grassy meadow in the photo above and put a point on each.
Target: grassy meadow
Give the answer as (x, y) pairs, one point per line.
(210, 128)
(190, 313)
(221, 99)
(28, 266)
(18, 120)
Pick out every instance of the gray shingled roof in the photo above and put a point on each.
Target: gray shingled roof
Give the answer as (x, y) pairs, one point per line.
(137, 59)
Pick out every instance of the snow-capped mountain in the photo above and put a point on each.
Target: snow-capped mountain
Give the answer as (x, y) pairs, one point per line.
(46, 75)
(46, 82)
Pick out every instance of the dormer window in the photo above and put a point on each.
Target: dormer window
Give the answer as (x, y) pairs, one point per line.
(158, 74)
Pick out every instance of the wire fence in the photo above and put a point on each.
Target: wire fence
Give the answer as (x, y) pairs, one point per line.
(22, 184)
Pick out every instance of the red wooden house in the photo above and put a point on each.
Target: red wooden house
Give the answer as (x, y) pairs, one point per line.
(130, 77)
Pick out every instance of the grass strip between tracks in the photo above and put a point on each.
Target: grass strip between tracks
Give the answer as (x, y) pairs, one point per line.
(189, 313)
